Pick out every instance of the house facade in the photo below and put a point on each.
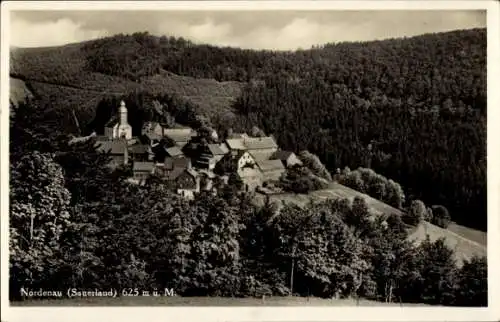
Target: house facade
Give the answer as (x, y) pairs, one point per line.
(248, 171)
(188, 183)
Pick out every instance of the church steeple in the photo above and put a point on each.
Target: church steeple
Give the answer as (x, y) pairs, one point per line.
(123, 114)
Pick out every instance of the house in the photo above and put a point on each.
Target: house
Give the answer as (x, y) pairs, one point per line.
(210, 155)
(142, 170)
(288, 158)
(207, 179)
(248, 171)
(235, 146)
(151, 138)
(141, 152)
(168, 169)
(118, 126)
(185, 179)
(152, 128)
(180, 136)
(117, 149)
(261, 148)
(187, 183)
(271, 169)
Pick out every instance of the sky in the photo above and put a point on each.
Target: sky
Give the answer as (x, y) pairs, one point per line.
(278, 30)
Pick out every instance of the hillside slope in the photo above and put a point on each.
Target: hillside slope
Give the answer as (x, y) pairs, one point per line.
(59, 76)
(464, 248)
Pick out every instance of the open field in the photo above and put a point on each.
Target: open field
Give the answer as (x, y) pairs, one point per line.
(205, 301)
(464, 241)
(478, 236)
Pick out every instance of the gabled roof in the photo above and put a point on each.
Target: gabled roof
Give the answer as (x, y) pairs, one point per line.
(174, 151)
(282, 155)
(192, 172)
(260, 143)
(139, 148)
(270, 165)
(113, 147)
(218, 149)
(179, 137)
(181, 162)
(236, 144)
(113, 121)
(260, 155)
(144, 166)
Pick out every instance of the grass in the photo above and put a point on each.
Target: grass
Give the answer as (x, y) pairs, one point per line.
(465, 242)
(477, 236)
(205, 301)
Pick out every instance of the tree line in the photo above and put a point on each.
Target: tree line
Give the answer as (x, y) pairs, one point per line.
(77, 223)
(412, 109)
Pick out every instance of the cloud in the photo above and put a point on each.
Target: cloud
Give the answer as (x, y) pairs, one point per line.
(256, 30)
(50, 33)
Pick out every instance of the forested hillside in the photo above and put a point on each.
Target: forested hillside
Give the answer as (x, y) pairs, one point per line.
(412, 109)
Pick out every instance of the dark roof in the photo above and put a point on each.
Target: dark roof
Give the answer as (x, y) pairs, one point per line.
(113, 147)
(282, 155)
(175, 173)
(113, 121)
(152, 136)
(139, 149)
(144, 166)
(182, 163)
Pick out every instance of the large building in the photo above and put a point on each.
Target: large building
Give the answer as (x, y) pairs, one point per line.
(261, 148)
(117, 149)
(118, 127)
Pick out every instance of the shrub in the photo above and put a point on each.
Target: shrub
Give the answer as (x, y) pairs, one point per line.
(416, 214)
(441, 216)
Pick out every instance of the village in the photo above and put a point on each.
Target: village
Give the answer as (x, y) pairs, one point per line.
(176, 156)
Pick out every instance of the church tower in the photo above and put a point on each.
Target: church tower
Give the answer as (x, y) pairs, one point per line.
(124, 129)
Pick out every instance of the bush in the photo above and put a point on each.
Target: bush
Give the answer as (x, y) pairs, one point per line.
(472, 289)
(300, 180)
(367, 181)
(416, 214)
(441, 216)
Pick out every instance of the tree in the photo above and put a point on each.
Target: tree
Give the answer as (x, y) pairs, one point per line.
(256, 132)
(313, 162)
(441, 216)
(38, 217)
(417, 213)
(472, 288)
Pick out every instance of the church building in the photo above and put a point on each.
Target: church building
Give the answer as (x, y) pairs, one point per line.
(118, 128)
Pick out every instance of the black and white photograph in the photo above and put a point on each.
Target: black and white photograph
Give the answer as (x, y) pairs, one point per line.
(244, 157)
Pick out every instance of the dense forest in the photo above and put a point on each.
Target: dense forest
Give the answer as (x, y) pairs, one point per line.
(75, 223)
(413, 109)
